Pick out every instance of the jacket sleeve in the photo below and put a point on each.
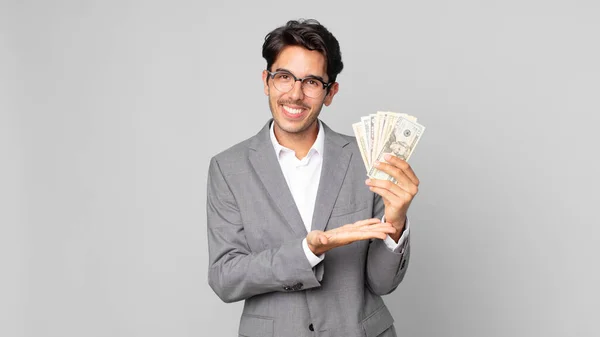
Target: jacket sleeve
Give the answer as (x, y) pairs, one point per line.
(235, 271)
(385, 268)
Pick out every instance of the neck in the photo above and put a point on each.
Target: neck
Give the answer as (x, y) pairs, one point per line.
(300, 142)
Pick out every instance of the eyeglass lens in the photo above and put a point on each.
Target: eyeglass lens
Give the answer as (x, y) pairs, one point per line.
(311, 87)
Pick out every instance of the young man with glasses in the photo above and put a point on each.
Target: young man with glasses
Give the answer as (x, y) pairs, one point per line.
(293, 227)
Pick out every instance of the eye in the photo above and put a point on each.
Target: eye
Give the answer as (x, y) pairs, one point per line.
(312, 82)
(284, 76)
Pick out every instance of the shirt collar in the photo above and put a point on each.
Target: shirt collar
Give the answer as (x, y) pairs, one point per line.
(317, 146)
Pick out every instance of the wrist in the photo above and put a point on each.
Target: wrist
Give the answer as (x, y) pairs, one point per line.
(396, 236)
(399, 230)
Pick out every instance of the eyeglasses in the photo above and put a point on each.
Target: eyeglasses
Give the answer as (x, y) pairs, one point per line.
(311, 86)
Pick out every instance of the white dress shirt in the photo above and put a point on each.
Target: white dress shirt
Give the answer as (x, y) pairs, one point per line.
(302, 177)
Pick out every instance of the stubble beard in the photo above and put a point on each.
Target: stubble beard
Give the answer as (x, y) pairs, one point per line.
(302, 129)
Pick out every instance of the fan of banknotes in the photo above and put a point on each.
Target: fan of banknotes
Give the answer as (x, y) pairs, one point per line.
(386, 132)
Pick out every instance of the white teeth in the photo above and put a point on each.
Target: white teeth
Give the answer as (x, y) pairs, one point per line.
(292, 111)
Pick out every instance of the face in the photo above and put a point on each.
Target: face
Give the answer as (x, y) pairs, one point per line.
(293, 112)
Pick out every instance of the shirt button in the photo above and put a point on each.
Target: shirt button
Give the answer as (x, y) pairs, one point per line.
(311, 327)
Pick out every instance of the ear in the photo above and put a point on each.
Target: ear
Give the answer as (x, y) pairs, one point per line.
(265, 76)
(333, 89)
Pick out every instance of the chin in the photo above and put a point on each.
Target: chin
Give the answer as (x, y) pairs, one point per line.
(291, 127)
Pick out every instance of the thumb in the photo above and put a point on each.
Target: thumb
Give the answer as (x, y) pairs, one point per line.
(315, 238)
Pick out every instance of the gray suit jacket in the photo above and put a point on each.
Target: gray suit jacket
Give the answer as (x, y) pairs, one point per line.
(255, 233)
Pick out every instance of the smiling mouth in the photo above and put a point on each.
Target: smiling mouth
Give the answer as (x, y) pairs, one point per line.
(292, 111)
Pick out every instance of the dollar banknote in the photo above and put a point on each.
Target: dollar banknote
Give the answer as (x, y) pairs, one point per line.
(386, 132)
(371, 137)
(367, 132)
(400, 142)
(359, 133)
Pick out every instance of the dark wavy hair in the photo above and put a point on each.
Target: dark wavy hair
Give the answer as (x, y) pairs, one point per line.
(309, 34)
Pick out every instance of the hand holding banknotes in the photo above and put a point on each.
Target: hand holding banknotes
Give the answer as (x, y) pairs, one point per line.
(386, 140)
(396, 196)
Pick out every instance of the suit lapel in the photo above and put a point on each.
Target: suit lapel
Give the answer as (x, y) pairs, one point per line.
(336, 160)
(264, 160)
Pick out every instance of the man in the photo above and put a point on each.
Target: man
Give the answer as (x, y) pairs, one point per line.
(293, 227)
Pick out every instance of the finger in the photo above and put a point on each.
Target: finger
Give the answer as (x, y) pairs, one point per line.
(365, 222)
(384, 228)
(401, 198)
(401, 178)
(397, 189)
(402, 165)
(349, 232)
(376, 235)
(380, 231)
(323, 239)
(352, 230)
(315, 238)
(349, 237)
(386, 189)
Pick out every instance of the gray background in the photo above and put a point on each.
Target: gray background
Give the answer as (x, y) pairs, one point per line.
(111, 110)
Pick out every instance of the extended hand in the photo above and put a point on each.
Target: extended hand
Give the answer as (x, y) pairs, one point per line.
(319, 241)
(396, 197)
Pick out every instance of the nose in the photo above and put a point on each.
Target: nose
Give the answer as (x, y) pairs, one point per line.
(296, 93)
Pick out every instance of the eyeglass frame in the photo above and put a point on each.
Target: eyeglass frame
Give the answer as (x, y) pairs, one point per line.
(296, 79)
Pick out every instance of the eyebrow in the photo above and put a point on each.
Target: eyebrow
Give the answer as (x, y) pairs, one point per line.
(307, 76)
